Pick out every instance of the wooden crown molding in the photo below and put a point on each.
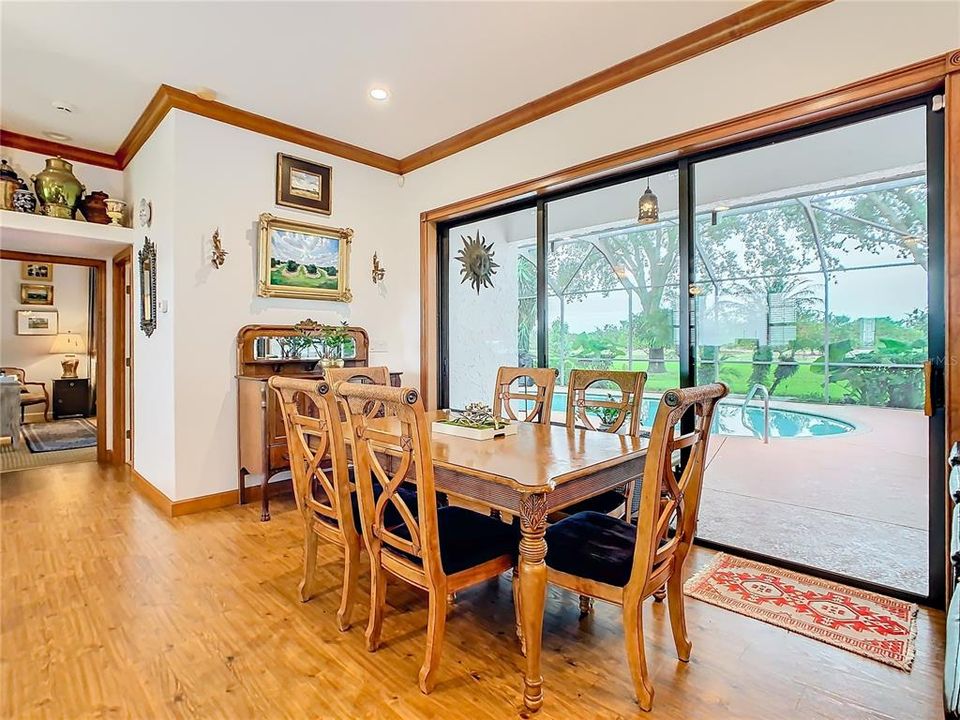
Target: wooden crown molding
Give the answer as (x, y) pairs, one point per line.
(752, 19)
(902, 83)
(48, 147)
(169, 98)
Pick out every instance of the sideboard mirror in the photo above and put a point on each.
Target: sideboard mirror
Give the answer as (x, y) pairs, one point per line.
(148, 287)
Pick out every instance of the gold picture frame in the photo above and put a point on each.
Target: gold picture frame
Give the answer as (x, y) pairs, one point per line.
(31, 294)
(300, 260)
(36, 271)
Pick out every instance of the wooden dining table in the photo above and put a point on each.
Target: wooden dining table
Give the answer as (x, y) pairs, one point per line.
(540, 469)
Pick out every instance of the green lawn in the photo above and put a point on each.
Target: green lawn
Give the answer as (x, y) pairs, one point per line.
(300, 279)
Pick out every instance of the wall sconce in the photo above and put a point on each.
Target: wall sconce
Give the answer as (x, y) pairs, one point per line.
(379, 271)
(219, 254)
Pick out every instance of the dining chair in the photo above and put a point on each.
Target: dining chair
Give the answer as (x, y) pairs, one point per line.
(624, 411)
(610, 559)
(438, 549)
(376, 375)
(321, 481)
(542, 381)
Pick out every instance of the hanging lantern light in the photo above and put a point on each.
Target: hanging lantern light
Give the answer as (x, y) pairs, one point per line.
(649, 207)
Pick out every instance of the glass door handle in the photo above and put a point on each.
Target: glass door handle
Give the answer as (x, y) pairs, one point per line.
(928, 407)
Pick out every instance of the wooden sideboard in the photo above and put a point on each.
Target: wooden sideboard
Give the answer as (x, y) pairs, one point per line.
(262, 440)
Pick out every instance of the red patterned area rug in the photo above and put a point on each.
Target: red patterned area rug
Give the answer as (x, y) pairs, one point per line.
(871, 625)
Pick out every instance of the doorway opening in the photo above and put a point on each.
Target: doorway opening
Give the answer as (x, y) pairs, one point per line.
(54, 383)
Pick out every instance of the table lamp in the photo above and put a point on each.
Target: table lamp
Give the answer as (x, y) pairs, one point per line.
(69, 344)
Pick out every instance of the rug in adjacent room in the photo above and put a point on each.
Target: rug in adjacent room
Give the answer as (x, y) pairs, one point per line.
(60, 435)
(862, 622)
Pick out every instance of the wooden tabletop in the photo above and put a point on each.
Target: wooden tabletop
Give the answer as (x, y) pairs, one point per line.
(536, 459)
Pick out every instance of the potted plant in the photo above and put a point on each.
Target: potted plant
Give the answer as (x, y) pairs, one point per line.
(606, 415)
(333, 338)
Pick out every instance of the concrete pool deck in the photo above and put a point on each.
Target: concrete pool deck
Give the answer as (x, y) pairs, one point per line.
(854, 503)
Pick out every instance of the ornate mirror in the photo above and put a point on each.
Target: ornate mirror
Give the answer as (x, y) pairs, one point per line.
(148, 287)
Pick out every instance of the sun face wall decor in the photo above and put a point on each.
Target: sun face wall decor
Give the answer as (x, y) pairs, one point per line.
(477, 259)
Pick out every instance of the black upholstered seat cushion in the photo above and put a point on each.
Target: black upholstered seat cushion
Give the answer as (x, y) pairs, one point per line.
(391, 516)
(468, 539)
(592, 545)
(605, 503)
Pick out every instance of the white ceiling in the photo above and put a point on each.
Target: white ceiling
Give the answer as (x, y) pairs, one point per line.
(448, 65)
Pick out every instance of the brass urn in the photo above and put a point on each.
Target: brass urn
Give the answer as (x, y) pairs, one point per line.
(58, 189)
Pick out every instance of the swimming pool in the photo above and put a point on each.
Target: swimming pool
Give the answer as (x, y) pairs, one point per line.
(728, 421)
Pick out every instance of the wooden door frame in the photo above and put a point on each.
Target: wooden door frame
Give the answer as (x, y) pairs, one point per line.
(122, 302)
(100, 339)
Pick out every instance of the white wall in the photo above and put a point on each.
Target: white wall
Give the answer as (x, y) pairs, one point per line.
(151, 175)
(32, 352)
(202, 175)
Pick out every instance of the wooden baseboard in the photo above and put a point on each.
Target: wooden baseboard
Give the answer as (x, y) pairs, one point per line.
(205, 502)
(176, 508)
(151, 493)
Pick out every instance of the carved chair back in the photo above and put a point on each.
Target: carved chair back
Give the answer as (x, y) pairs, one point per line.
(388, 451)
(535, 387)
(318, 462)
(629, 386)
(378, 375)
(667, 517)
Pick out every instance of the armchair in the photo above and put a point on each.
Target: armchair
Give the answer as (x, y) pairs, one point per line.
(29, 396)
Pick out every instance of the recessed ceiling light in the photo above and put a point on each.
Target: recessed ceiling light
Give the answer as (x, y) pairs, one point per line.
(379, 93)
(59, 137)
(62, 106)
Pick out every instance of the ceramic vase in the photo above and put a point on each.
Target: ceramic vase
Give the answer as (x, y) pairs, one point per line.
(94, 208)
(9, 184)
(58, 189)
(115, 210)
(24, 201)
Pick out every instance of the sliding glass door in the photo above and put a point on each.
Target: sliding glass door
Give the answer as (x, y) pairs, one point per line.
(805, 271)
(613, 286)
(811, 280)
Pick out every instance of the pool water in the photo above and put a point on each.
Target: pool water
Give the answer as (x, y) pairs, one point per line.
(727, 420)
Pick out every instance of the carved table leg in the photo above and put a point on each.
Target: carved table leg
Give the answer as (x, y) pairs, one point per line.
(533, 588)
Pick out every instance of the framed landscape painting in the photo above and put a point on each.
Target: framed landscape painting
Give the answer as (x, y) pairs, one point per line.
(304, 185)
(36, 294)
(299, 260)
(37, 322)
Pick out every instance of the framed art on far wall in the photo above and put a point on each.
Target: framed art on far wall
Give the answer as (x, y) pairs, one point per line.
(36, 271)
(304, 185)
(299, 260)
(36, 294)
(37, 322)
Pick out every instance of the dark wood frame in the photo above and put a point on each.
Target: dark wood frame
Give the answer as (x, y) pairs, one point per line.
(100, 344)
(286, 163)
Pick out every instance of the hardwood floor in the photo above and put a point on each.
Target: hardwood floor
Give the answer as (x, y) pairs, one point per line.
(111, 610)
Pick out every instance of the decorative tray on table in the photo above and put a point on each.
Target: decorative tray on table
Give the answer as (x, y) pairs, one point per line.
(476, 422)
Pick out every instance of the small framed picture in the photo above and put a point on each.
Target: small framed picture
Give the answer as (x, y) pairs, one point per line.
(36, 294)
(36, 271)
(37, 322)
(304, 185)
